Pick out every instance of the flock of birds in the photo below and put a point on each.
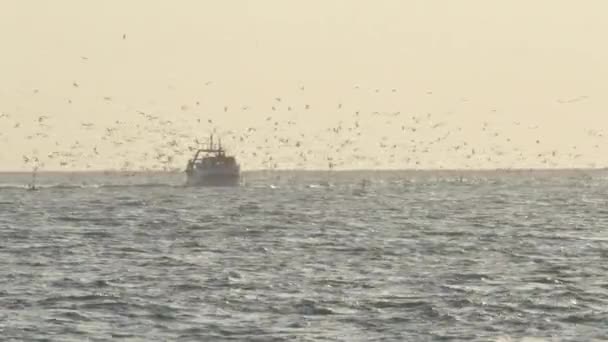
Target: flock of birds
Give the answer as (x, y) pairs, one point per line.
(364, 140)
(287, 135)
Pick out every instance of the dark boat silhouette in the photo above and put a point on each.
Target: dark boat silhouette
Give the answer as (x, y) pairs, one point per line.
(212, 167)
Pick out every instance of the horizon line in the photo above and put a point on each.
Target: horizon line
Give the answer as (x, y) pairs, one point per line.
(548, 169)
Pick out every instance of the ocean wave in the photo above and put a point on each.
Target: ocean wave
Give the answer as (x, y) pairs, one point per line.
(307, 263)
(61, 186)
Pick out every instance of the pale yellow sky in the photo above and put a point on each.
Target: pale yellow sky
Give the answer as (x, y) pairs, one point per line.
(519, 82)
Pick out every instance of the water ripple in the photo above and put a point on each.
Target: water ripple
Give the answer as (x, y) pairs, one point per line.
(492, 257)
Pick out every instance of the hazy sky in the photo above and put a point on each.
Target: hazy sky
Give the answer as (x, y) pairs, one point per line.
(437, 84)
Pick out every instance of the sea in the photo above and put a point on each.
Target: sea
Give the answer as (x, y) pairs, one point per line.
(306, 256)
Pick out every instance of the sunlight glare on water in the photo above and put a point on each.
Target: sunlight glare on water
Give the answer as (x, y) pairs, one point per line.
(494, 256)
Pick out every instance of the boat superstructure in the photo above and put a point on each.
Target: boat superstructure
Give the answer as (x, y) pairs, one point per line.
(212, 167)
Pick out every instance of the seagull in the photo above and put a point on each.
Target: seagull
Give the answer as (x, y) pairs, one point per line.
(573, 100)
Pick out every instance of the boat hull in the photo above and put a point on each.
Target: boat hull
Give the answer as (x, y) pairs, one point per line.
(213, 180)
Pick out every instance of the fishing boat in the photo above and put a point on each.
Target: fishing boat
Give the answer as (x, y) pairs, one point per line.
(212, 167)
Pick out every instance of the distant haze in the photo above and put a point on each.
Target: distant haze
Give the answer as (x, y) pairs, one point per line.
(436, 84)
